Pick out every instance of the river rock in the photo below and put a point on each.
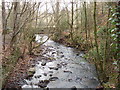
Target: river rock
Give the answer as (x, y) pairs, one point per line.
(62, 56)
(78, 79)
(70, 80)
(31, 70)
(63, 63)
(82, 63)
(77, 54)
(50, 75)
(43, 63)
(61, 52)
(45, 74)
(59, 66)
(38, 76)
(30, 73)
(50, 71)
(35, 76)
(43, 83)
(53, 78)
(67, 71)
(33, 65)
(73, 88)
(55, 68)
(53, 52)
(29, 77)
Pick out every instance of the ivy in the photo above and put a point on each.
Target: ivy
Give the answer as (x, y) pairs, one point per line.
(114, 30)
(118, 24)
(110, 19)
(116, 13)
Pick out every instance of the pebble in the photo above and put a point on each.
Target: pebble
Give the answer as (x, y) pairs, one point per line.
(50, 71)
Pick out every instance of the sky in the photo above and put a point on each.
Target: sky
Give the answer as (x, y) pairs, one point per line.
(63, 3)
(63, 0)
(50, 3)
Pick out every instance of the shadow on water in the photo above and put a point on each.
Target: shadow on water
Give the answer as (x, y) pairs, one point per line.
(69, 69)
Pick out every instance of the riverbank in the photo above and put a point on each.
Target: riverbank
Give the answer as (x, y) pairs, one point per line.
(68, 67)
(109, 78)
(19, 71)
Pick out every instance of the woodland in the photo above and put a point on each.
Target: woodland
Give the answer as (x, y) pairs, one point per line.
(89, 27)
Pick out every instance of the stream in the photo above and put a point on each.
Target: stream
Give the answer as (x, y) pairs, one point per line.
(68, 69)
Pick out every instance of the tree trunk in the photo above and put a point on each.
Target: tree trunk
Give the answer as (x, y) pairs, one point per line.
(95, 30)
(71, 26)
(1, 30)
(4, 23)
(77, 18)
(95, 38)
(56, 22)
(85, 13)
(106, 59)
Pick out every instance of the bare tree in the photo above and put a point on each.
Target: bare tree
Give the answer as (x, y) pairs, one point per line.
(72, 20)
(85, 13)
(1, 30)
(4, 22)
(15, 23)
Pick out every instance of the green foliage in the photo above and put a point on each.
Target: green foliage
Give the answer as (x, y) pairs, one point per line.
(78, 39)
(114, 31)
(116, 13)
(101, 31)
(93, 53)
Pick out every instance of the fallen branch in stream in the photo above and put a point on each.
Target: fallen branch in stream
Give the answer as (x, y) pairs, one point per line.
(41, 43)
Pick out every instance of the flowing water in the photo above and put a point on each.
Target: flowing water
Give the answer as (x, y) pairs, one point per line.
(68, 69)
